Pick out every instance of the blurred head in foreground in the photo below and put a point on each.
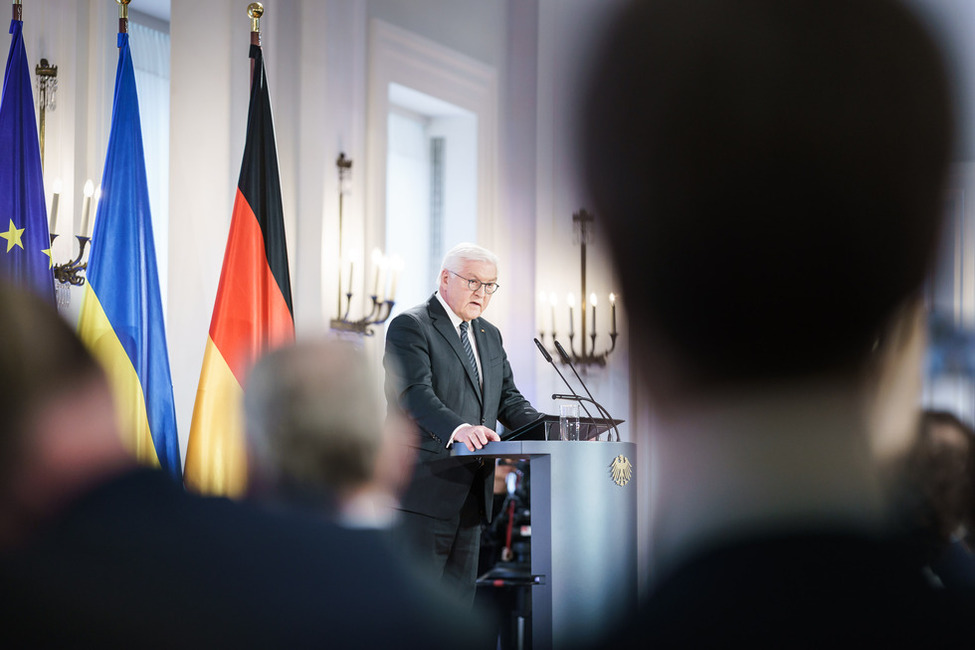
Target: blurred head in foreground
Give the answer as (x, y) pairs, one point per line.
(770, 175)
(60, 433)
(317, 429)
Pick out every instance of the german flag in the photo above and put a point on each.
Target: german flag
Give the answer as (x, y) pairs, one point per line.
(252, 312)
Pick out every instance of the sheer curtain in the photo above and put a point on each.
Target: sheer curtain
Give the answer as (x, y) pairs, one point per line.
(150, 58)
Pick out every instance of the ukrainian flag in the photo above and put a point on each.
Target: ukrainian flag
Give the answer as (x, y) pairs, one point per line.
(122, 319)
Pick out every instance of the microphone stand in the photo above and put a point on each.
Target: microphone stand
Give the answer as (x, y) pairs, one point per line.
(567, 360)
(548, 357)
(602, 411)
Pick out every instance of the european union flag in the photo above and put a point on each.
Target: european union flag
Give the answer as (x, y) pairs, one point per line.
(121, 319)
(25, 244)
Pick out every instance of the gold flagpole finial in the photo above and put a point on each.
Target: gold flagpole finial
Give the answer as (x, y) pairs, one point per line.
(255, 10)
(123, 15)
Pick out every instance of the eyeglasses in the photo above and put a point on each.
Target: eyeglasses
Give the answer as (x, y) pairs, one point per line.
(474, 285)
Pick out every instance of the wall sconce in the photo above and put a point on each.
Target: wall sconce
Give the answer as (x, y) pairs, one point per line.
(47, 88)
(582, 224)
(385, 276)
(70, 272)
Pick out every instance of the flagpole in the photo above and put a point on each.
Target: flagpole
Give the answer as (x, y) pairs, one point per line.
(123, 16)
(252, 311)
(123, 301)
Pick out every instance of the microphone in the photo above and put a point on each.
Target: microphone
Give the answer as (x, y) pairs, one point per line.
(548, 357)
(541, 348)
(566, 360)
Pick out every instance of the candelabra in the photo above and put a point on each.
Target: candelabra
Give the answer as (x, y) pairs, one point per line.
(70, 272)
(385, 270)
(582, 226)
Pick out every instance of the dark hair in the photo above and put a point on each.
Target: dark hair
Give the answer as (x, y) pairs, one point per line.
(770, 175)
(39, 357)
(939, 476)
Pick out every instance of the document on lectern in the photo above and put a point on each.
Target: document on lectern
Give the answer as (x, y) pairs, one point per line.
(535, 430)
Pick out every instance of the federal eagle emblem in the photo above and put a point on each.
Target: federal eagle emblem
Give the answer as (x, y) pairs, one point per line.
(622, 470)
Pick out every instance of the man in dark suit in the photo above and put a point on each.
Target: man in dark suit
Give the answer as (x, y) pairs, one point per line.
(447, 370)
(771, 176)
(96, 551)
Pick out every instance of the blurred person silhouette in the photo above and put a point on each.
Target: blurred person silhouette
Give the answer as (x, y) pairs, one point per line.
(770, 175)
(939, 497)
(318, 435)
(96, 551)
(319, 442)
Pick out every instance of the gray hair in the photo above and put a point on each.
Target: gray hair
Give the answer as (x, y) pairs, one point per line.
(314, 416)
(467, 252)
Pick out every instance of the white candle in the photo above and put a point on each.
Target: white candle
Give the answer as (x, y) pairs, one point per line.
(542, 304)
(571, 300)
(396, 265)
(95, 200)
(383, 278)
(592, 299)
(54, 206)
(86, 207)
(552, 300)
(612, 312)
(377, 260)
(339, 314)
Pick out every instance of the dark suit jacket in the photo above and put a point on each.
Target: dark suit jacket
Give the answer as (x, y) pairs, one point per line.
(825, 589)
(139, 563)
(429, 378)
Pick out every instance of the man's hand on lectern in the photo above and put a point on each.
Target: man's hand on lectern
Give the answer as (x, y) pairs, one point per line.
(476, 437)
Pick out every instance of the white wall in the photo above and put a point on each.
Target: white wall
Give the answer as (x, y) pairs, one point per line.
(316, 56)
(316, 53)
(207, 122)
(471, 27)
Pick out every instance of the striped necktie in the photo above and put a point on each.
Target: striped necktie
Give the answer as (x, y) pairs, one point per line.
(469, 350)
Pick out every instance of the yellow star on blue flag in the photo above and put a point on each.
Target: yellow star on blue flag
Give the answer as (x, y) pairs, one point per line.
(14, 236)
